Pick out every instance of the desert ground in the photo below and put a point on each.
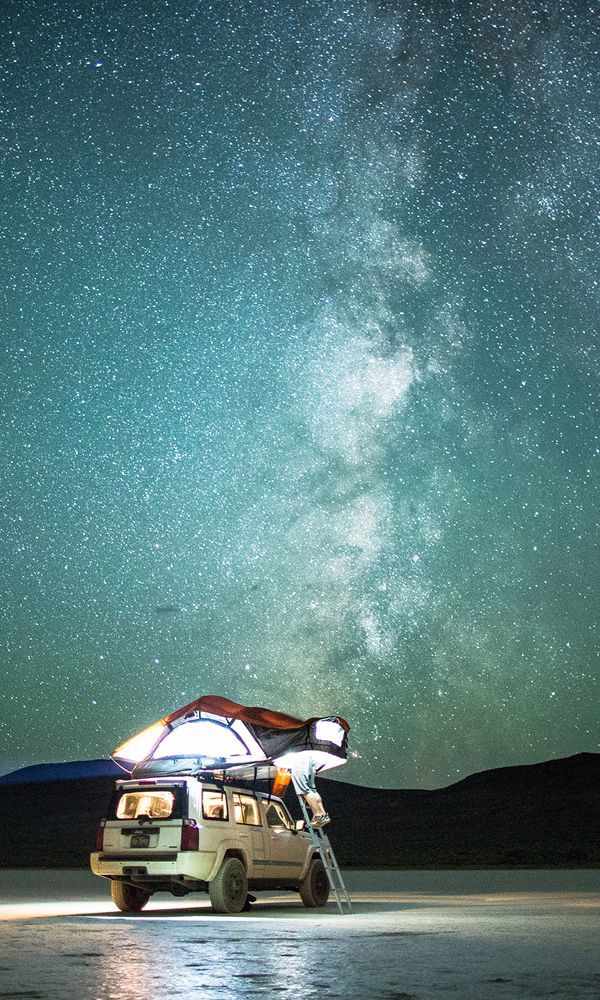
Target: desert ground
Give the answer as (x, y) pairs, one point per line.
(429, 934)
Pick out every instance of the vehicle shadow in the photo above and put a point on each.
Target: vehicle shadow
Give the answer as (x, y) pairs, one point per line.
(261, 908)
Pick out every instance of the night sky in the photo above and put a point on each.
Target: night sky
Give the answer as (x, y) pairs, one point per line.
(299, 400)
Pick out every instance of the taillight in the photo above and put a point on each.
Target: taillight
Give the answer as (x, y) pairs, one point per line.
(190, 836)
(100, 837)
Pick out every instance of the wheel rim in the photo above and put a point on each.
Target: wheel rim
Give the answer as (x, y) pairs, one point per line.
(320, 883)
(235, 886)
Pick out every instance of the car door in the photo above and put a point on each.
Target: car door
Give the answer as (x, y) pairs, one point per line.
(287, 846)
(251, 834)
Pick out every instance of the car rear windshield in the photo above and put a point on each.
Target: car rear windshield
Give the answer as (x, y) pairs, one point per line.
(156, 803)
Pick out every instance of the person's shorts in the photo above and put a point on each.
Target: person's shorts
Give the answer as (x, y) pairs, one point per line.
(304, 777)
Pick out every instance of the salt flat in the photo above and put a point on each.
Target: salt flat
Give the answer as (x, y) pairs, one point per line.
(469, 934)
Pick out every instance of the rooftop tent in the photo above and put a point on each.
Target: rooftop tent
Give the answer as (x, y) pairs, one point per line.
(214, 733)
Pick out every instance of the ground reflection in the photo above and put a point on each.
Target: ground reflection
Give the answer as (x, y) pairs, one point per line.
(410, 942)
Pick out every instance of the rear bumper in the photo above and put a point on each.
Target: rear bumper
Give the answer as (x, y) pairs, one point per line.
(189, 864)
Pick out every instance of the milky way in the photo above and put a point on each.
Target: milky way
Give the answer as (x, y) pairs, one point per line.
(300, 357)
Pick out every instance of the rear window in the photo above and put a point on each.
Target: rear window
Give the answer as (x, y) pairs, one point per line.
(155, 803)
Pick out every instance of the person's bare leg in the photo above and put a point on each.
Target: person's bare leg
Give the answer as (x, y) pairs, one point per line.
(314, 800)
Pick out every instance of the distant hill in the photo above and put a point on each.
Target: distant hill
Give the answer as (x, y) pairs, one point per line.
(64, 771)
(536, 815)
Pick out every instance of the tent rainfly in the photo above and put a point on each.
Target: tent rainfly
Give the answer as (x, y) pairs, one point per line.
(213, 733)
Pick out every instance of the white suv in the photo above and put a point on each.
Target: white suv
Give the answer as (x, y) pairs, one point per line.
(181, 835)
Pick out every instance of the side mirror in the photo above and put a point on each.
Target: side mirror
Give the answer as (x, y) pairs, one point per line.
(300, 825)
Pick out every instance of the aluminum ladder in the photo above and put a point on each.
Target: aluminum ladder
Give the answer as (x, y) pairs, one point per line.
(323, 846)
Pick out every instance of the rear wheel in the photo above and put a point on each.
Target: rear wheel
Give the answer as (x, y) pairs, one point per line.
(128, 898)
(314, 889)
(229, 888)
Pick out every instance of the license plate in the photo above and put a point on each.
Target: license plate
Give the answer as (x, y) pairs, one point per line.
(140, 840)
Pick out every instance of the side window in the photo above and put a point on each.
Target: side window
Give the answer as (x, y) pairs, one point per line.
(246, 810)
(214, 804)
(276, 816)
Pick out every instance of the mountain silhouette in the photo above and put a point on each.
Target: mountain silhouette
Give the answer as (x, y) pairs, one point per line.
(545, 814)
(63, 771)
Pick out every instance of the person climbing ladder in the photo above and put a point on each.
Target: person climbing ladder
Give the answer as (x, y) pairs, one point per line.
(304, 766)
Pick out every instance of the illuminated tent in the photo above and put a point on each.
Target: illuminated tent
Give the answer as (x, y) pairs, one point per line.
(213, 733)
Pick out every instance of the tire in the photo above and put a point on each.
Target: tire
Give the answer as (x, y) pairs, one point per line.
(314, 890)
(128, 898)
(229, 888)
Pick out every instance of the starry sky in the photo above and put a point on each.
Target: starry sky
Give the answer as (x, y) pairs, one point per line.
(299, 400)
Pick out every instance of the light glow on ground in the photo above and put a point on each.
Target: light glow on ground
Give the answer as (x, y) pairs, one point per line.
(366, 904)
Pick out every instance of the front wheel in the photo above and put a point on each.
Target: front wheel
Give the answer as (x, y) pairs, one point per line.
(229, 888)
(128, 898)
(314, 888)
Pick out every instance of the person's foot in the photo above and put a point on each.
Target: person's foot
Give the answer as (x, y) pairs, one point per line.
(320, 821)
